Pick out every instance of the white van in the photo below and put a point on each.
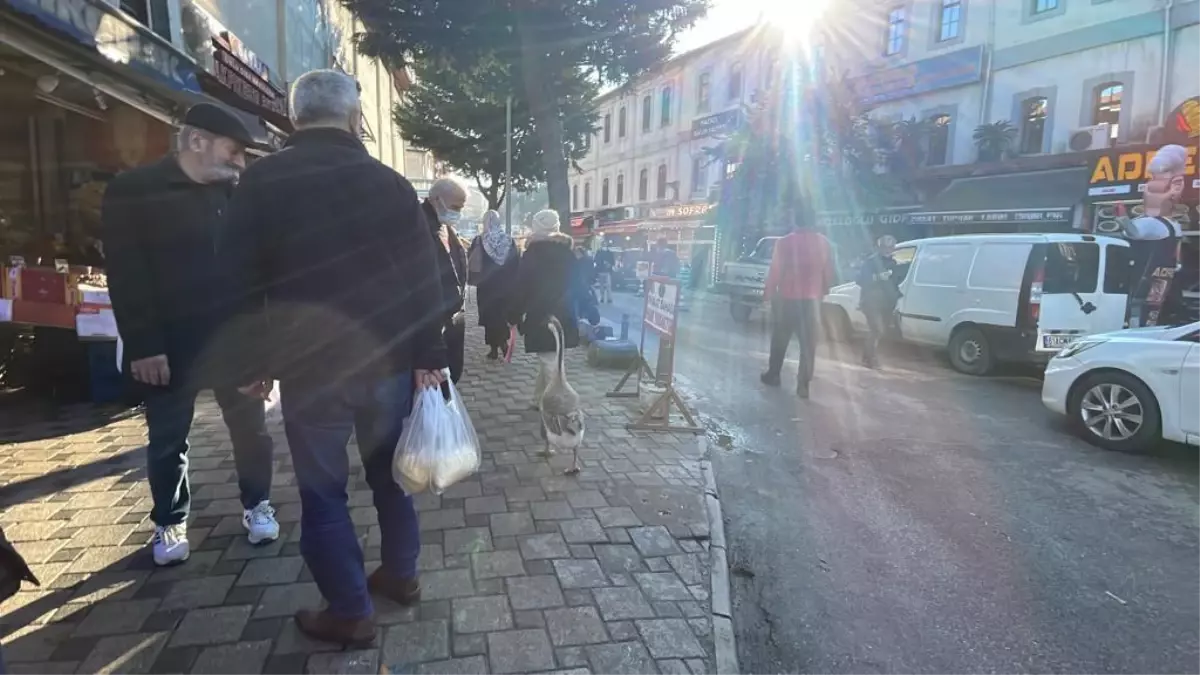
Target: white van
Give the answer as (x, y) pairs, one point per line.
(1000, 297)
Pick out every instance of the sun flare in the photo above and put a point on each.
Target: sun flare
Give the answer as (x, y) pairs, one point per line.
(794, 19)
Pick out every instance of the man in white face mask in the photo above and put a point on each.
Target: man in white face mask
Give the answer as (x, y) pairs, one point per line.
(443, 210)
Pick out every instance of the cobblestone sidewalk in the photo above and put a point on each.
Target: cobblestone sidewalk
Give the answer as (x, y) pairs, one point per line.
(523, 569)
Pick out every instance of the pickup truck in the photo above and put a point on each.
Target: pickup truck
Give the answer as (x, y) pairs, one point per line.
(745, 278)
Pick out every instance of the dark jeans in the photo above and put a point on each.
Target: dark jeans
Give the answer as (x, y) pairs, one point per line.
(455, 336)
(794, 318)
(169, 417)
(495, 334)
(318, 420)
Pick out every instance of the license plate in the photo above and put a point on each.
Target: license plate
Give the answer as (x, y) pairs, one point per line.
(1057, 341)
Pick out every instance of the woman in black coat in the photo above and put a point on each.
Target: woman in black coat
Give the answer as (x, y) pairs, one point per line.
(544, 290)
(494, 261)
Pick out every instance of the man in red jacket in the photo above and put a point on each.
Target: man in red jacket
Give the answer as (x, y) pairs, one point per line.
(800, 275)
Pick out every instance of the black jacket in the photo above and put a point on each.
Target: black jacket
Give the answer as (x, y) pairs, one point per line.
(544, 290)
(451, 262)
(163, 247)
(335, 274)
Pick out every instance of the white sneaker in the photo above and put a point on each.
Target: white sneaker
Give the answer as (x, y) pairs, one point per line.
(260, 523)
(170, 545)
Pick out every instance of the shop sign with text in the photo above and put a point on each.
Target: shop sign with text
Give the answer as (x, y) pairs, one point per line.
(1001, 216)
(680, 211)
(861, 220)
(1124, 173)
(940, 72)
(116, 37)
(719, 124)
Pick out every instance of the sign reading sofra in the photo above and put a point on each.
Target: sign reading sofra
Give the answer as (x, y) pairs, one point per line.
(1123, 173)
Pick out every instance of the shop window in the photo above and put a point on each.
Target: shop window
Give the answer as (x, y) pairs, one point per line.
(574, 197)
(643, 184)
(950, 20)
(604, 192)
(894, 40)
(704, 92)
(647, 112)
(152, 14)
(587, 195)
(939, 139)
(665, 116)
(734, 92)
(1042, 6)
(1106, 108)
(661, 190)
(607, 128)
(621, 123)
(620, 188)
(1033, 125)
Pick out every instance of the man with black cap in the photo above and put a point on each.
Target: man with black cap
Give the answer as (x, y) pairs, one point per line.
(163, 240)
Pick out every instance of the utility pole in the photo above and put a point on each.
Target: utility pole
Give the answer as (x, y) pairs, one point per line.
(508, 191)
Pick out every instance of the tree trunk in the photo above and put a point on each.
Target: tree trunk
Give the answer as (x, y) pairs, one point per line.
(536, 62)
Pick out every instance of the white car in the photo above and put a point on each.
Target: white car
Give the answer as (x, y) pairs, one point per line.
(1127, 389)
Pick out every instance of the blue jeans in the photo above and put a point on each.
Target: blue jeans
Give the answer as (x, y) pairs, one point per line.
(318, 420)
(169, 415)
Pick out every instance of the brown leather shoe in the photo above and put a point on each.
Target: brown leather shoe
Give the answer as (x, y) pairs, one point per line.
(401, 591)
(323, 626)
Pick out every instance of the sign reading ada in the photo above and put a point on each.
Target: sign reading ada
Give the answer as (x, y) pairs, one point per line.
(1124, 172)
(662, 297)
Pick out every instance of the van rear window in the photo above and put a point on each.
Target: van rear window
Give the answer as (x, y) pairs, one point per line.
(1118, 270)
(1072, 267)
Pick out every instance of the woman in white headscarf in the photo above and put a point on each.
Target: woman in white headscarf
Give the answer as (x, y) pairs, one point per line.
(493, 261)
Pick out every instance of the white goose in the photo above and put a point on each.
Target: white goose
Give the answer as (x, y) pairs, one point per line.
(562, 418)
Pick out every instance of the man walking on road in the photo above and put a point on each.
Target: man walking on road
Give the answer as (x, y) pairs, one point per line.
(443, 209)
(339, 295)
(800, 275)
(878, 293)
(164, 262)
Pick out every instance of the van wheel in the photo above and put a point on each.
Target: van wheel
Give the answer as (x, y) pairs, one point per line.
(1115, 411)
(837, 323)
(970, 352)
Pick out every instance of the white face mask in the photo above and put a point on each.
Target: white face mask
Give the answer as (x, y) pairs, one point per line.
(450, 218)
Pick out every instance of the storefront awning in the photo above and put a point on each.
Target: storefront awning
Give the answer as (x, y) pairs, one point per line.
(1036, 196)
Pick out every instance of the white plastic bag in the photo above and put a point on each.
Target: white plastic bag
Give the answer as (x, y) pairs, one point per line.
(438, 447)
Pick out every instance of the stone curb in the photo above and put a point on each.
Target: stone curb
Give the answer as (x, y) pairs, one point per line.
(724, 639)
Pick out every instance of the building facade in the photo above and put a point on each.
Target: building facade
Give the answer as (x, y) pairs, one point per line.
(650, 168)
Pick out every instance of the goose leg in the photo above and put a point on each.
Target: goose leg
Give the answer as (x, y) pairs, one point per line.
(547, 452)
(574, 463)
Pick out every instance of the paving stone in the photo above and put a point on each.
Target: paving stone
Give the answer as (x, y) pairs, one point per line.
(469, 488)
(211, 625)
(413, 643)
(494, 504)
(579, 573)
(570, 657)
(511, 524)
(193, 593)
(471, 665)
(575, 626)
(692, 609)
(467, 540)
(623, 603)
(673, 667)
(442, 519)
(669, 638)
(622, 630)
(586, 499)
(530, 618)
(176, 660)
(617, 516)
(658, 564)
(125, 655)
(262, 629)
(282, 570)
(583, 531)
(520, 651)
(241, 657)
(444, 584)
(524, 494)
(482, 615)
(701, 627)
(536, 592)
(665, 609)
(620, 658)
(555, 510)
(497, 564)
(653, 541)
(44, 668)
(110, 586)
(543, 546)
(662, 586)
(361, 662)
(287, 600)
(291, 641)
(698, 666)
(104, 559)
(112, 618)
(467, 645)
(688, 567)
(578, 597)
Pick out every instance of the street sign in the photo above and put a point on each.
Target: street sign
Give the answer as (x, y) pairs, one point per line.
(662, 300)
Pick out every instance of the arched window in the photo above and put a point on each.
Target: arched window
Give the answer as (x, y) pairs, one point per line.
(620, 188)
(1106, 107)
(621, 123)
(587, 195)
(734, 92)
(575, 197)
(939, 139)
(661, 189)
(604, 192)
(647, 112)
(643, 184)
(1033, 125)
(607, 128)
(666, 106)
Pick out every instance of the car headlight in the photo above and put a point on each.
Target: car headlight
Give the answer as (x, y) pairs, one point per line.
(1075, 348)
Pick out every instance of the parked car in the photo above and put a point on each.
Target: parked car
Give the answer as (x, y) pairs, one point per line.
(994, 298)
(1128, 389)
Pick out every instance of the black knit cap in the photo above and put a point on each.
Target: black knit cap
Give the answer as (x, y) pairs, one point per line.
(217, 120)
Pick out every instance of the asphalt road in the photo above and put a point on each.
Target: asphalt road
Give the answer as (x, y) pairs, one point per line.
(917, 520)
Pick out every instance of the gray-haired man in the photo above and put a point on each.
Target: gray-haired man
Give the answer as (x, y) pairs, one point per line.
(337, 282)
